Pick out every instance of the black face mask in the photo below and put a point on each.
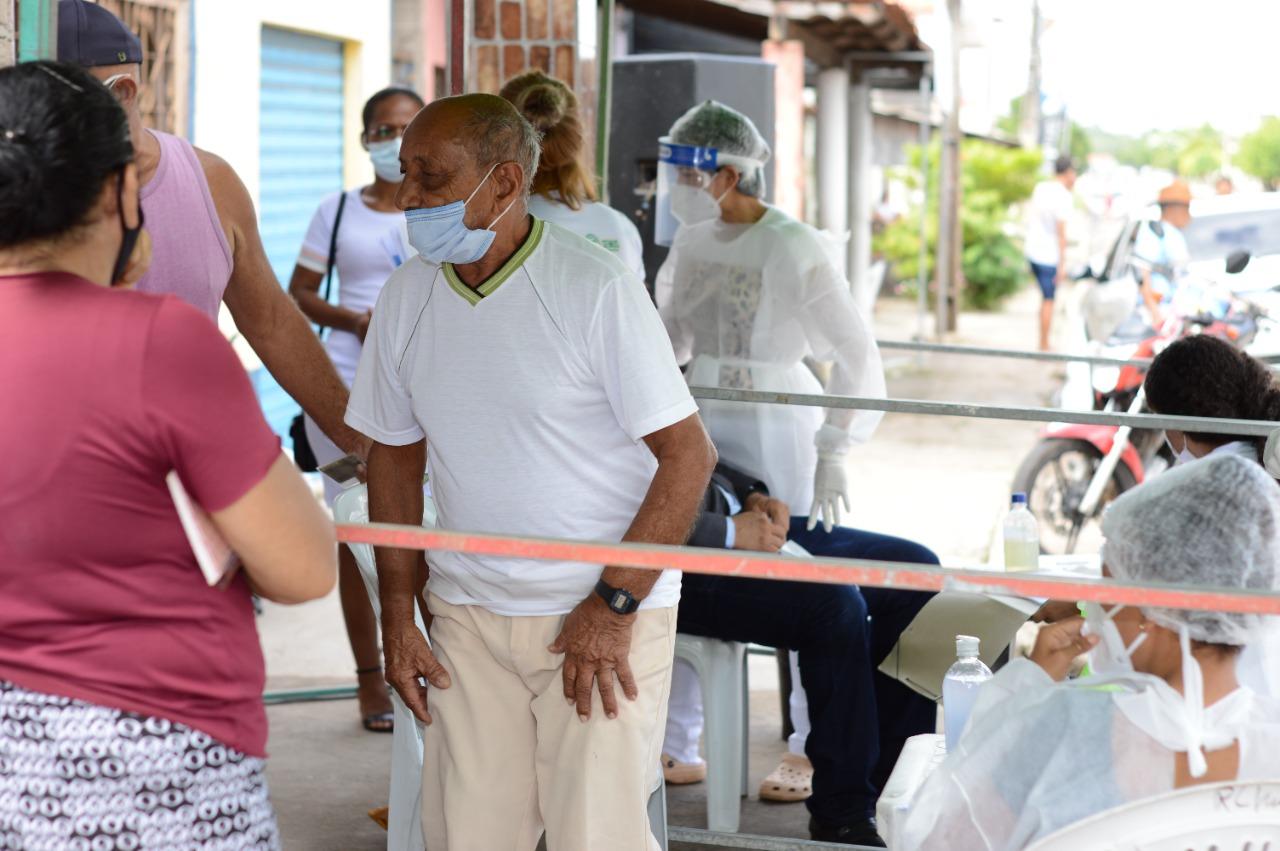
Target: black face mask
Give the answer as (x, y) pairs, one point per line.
(130, 240)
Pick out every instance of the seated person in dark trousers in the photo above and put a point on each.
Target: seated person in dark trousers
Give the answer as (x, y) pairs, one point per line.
(860, 717)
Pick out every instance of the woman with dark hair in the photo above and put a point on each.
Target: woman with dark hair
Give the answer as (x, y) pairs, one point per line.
(356, 236)
(1204, 376)
(564, 188)
(131, 712)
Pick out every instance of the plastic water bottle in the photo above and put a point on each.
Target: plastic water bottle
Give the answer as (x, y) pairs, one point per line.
(960, 688)
(1021, 536)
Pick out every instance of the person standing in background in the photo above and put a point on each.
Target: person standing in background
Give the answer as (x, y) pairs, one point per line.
(363, 228)
(564, 188)
(205, 242)
(1160, 253)
(1046, 244)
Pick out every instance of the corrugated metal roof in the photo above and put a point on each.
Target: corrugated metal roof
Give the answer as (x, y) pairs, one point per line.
(830, 29)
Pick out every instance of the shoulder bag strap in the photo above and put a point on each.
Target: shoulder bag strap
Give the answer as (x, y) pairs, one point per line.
(333, 251)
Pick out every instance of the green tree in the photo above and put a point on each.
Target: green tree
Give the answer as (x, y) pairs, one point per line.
(994, 179)
(1259, 153)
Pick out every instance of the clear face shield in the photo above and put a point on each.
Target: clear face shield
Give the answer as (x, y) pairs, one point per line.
(685, 173)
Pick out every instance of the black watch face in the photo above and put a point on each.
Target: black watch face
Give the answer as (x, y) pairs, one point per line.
(621, 601)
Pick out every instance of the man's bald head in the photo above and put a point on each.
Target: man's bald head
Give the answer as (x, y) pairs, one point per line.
(487, 129)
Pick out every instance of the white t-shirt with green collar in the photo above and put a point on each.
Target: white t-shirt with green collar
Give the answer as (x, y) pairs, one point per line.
(533, 392)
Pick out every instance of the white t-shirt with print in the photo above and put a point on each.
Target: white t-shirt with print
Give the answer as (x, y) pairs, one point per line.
(600, 224)
(370, 247)
(1051, 203)
(533, 393)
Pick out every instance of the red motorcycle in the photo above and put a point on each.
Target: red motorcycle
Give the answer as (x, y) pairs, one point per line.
(1076, 470)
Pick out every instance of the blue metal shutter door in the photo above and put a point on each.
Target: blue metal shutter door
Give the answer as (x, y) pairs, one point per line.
(300, 162)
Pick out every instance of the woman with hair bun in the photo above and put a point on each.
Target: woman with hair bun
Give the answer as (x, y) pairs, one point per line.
(564, 187)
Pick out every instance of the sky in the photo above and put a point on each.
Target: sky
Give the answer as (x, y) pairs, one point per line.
(1132, 65)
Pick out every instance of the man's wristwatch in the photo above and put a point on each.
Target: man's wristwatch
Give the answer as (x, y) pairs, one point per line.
(619, 601)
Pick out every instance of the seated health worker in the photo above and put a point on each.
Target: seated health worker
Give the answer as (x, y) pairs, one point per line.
(131, 711)
(1205, 376)
(1039, 755)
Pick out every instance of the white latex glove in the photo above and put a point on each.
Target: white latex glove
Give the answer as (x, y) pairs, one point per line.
(830, 489)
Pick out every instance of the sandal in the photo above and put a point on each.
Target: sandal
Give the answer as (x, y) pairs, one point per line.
(791, 781)
(376, 722)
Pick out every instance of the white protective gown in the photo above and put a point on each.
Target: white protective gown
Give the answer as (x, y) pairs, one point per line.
(744, 305)
(1037, 756)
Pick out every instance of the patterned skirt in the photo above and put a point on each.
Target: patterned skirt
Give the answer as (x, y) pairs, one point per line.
(76, 776)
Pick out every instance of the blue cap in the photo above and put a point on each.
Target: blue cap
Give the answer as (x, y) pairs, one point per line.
(90, 36)
(1019, 498)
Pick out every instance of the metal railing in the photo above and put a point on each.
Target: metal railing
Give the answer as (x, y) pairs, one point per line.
(858, 572)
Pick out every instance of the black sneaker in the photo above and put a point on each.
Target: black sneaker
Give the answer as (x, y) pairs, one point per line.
(858, 833)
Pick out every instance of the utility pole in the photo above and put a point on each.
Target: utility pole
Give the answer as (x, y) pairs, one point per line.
(1029, 119)
(950, 235)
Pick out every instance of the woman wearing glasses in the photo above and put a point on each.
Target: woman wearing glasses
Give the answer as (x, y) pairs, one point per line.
(355, 242)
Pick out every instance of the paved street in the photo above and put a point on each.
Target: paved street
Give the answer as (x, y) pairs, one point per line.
(944, 481)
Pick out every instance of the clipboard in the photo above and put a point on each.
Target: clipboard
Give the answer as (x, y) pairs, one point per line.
(927, 647)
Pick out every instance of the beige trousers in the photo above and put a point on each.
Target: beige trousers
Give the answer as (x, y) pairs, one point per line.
(507, 757)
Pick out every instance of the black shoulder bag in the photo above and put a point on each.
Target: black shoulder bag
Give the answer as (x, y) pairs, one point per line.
(303, 455)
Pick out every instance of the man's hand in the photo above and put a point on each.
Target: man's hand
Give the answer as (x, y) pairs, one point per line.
(1058, 645)
(596, 643)
(408, 657)
(779, 512)
(754, 530)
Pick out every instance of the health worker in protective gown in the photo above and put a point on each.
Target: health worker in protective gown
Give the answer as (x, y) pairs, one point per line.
(747, 294)
(1162, 707)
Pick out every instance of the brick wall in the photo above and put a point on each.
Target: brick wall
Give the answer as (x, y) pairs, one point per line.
(510, 36)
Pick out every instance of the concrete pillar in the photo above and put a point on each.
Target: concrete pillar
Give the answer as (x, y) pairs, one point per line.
(861, 193)
(833, 150)
(6, 33)
(788, 135)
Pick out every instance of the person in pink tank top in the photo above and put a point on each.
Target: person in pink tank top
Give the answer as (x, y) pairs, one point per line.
(205, 243)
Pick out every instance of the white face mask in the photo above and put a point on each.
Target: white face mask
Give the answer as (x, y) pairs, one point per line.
(1183, 455)
(386, 160)
(692, 205)
(1110, 656)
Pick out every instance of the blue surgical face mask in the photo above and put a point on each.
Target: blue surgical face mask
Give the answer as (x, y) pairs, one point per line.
(439, 235)
(386, 160)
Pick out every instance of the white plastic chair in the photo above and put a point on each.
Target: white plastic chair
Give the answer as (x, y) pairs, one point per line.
(722, 675)
(1232, 816)
(404, 819)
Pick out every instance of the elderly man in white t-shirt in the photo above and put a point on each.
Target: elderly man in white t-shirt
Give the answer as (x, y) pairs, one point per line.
(528, 371)
(1046, 244)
